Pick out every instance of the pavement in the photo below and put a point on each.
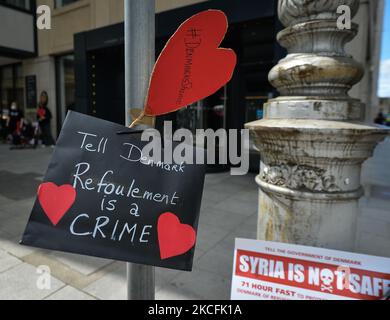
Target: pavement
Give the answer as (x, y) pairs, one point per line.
(229, 210)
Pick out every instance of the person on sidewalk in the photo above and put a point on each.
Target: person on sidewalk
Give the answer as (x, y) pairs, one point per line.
(15, 123)
(380, 118)
(44, 117)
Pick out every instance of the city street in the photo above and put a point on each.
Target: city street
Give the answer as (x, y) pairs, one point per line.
(229, 210)
(297, 93)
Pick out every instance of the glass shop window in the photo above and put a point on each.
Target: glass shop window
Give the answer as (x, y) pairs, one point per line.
(63, 3)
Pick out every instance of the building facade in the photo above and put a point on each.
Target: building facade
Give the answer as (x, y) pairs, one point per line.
(80, 63)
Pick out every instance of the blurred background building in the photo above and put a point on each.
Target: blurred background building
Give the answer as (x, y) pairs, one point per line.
(80, 61)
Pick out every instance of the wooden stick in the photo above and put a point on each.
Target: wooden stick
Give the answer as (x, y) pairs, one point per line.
(134, 123)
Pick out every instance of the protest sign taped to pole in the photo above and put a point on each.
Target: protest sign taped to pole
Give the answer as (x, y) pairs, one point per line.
(102, 197)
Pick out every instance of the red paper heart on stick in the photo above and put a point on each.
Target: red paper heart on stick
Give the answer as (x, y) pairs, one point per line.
(174, 238)
(192, 66)
(56, 201)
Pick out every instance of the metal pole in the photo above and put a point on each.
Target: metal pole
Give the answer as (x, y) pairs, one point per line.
(139, 61)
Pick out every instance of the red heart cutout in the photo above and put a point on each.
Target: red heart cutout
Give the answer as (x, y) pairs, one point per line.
(174, 238)
(56, 201)
(192, 66)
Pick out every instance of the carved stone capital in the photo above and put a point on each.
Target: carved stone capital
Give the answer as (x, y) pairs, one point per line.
(300, 177)
(320, 37)
(313, 75)
(311, 142)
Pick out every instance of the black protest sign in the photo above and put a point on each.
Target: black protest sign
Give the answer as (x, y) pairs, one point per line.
(101, 198)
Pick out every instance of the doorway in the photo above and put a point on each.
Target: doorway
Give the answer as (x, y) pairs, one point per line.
(107, 91)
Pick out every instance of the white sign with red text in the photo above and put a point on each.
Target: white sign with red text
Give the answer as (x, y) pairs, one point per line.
(277, 271)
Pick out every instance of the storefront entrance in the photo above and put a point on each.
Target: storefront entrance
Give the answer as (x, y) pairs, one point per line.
(108, 83)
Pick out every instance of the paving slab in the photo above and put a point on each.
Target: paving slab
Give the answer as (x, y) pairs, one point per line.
(236, 206)
(209, 236)
(218, 260)
(11, 245)
(18, 186)
(83, 264)
(13, 227)
(69, 293)
(20, 283)
(221, 219)
(7, 261)
(112, 286)
(192, 286)
(229, 211)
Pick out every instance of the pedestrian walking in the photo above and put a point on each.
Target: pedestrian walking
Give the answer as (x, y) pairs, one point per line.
(3, 124)
(44, 117)
(15, 123)
(380, 118)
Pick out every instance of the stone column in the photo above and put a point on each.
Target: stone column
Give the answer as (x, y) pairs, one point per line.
(312, 141)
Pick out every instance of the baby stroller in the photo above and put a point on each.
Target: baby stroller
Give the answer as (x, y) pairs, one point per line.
(25, 136)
